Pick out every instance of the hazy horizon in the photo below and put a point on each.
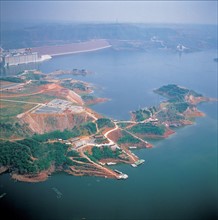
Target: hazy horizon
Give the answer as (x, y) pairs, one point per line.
(148, 12)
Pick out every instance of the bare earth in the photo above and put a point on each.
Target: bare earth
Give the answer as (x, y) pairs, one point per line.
(57, 50)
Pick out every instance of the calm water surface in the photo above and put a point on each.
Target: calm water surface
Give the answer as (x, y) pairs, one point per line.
(179, 178)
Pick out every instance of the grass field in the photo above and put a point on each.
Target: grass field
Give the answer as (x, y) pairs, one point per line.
(9, 110)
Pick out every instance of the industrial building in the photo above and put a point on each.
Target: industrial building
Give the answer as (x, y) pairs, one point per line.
(20, 56)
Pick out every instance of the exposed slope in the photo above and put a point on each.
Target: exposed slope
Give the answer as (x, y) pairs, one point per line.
(41, 123)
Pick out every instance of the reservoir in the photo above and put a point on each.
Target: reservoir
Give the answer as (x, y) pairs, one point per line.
(179, 177)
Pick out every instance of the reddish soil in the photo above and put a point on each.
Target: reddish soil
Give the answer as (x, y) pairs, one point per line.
(193, 113)
(153, 136)
(96, 101)
(3, 169)
(168, 133)
(41, 123)
(115, 135)
(51, 89)
(195, 100)
(42, 176)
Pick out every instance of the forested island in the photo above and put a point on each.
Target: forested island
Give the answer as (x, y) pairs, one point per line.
(47, 125)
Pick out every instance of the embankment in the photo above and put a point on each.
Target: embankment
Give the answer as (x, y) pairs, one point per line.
(57, 50)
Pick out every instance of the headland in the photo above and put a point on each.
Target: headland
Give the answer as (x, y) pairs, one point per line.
(48, 126)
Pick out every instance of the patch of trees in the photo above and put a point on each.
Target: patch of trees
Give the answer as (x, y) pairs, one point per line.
(41, 82)
(73, 153)
(142, 114)
(176, 93)
(79, 85)
(104, 152)
(181, 107)
(148, 128)
(152, 110)
(33, 76)
(87, 97)
(83, 129)
(170, 115)
(76, 85)
(173, 91)
(101, 140)
(30, 157)
(88, 128)
(127, 138)
(17, 157)
(104, 122)
(12, 79)
(9, 129)
(66, 134)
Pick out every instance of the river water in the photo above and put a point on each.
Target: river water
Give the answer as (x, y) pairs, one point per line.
(179, 177)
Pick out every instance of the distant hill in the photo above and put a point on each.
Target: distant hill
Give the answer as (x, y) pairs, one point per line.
(196, 37)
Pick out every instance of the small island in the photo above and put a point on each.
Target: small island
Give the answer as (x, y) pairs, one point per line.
(47, 125)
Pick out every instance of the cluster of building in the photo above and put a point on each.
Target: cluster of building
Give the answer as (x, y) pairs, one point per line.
(20, 56)
(58, 106)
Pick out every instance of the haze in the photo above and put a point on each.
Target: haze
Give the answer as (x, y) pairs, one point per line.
(193, 12)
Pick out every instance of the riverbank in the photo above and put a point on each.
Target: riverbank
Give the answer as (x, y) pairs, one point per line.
(40, 177)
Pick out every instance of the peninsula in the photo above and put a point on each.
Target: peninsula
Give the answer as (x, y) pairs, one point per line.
(47, 125)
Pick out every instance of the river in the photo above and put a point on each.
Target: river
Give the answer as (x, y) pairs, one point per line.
(179, 177)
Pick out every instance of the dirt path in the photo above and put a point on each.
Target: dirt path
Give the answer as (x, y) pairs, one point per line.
(108, 132)
(34, 103)
(107, 171)
(136, 136)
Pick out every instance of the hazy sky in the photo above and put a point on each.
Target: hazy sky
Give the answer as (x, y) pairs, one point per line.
(202, 12)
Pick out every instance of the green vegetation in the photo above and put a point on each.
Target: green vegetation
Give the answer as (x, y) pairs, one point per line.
(66, 134)
(127, 138)
(9, 110)
(12, 79)
(170, 115)
(81, 159)
(90, 156)
(74, 85)
(88, 97)
(30, 156)
(40, 98)
(40, 82)
(105, 152)
(76, 156)
(99, 153)
(181, 107)
(175, 93)
(152, 110)
(195, 94)
(83, 129)
(33, 76)
(13, 129)
(101, 140)
(88, 128)
(104, 122)
(123, 125)
(142, 114)
(80, 86)
(172, 90)
(73, 153)
(148, 128)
